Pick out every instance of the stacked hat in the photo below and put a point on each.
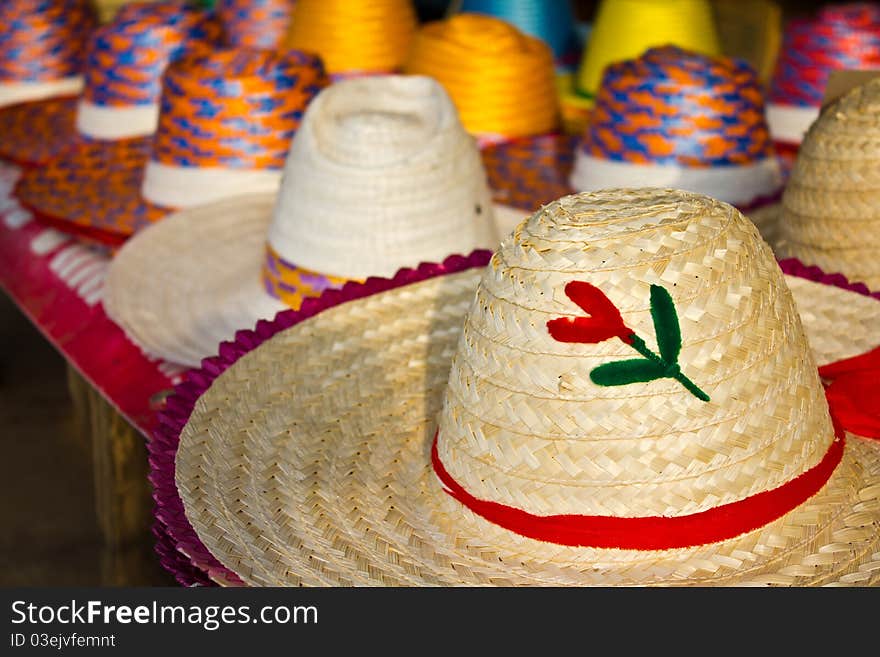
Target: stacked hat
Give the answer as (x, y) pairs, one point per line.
(673, 118)
(552, 21)
(255, 23)
(42, 48)
(380, 175)
(500, 79)
(225, 123)
(646, 411)
(624, 29)
(838, 37)
(830, 214)
(354, 38)
(124, 64)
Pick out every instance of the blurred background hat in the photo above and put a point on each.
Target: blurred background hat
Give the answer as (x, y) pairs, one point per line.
(261, 24)
(225, 123)
(673, 118)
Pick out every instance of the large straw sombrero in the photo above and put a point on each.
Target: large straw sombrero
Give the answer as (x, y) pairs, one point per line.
(254, 23)
(838, 37)
(120, 98)
(624, 29)
(354, 38)
(830, 211)
(225, 123)
(42, 48)
(381, 175)
(336, 447)
(674, 118)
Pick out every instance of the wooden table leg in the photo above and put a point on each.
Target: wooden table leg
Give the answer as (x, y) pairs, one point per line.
(119, 456)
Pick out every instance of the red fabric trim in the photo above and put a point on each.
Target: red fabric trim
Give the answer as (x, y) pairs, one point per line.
(653, 532)
(852, 393)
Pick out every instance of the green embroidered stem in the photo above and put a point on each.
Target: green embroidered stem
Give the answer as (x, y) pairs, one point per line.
(671, 370)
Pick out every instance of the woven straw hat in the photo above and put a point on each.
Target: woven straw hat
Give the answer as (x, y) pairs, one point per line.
(225, 123)
(830, 210)
(624, 29)
(381, 175)
(839, 37)
(675, 118)
(354, 38)
(124, 62)
(344, 451)
(42, 48)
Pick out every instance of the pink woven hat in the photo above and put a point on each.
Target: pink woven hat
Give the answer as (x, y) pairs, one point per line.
(226, 119)
(646, 411)
(42, 48)
(838, 37)
(674, 118)
(120, 100)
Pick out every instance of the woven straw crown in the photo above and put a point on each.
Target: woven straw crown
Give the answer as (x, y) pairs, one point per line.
(380, 175)
(525, 425)
(831, 205)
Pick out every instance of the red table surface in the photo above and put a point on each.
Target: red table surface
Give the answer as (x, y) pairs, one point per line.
(58, 283)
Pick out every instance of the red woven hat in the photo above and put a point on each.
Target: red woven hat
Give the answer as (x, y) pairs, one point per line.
(124, 63)
(225, 123)
(42, 48)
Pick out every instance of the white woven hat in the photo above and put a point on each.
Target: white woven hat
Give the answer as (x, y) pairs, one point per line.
(632, 399)
(380, 175)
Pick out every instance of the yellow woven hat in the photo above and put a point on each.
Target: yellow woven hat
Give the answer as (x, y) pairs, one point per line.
(830, 210)
(354, 37)
(501, 80)
(624, 29)
(632, 399)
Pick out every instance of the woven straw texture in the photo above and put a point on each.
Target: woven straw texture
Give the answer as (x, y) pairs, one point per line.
(831, 205)
(381, 175)
(287, 481)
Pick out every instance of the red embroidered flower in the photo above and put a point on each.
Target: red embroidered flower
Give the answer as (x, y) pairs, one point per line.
(604, 321)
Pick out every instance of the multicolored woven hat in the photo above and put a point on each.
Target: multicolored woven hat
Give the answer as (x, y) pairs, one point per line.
(225, 124)
(624, 29)
(673, 118)
(500, 79)
(830, 210)
(42, 48)
(255, 23)
(354, 38)
(647, 411)
(124, 64)
(380, 175)
(838, 37)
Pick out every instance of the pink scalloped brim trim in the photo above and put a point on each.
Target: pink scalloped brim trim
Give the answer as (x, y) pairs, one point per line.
(176, 537)
(163, 448)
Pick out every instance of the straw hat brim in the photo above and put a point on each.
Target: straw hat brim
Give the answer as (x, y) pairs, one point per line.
(93, 190)
(31, 133)
(306, 461)
(189, 282)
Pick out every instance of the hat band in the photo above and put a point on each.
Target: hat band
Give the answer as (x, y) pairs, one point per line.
(789, 123)
(116, 121)
(291, 284)
(653, 532)
(186, 187)
(735, 184)
(21, 92)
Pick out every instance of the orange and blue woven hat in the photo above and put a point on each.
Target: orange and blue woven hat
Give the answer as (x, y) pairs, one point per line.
(254, 23)
(675, 118)
(42, 48)
(124, 63)
(225, 124)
